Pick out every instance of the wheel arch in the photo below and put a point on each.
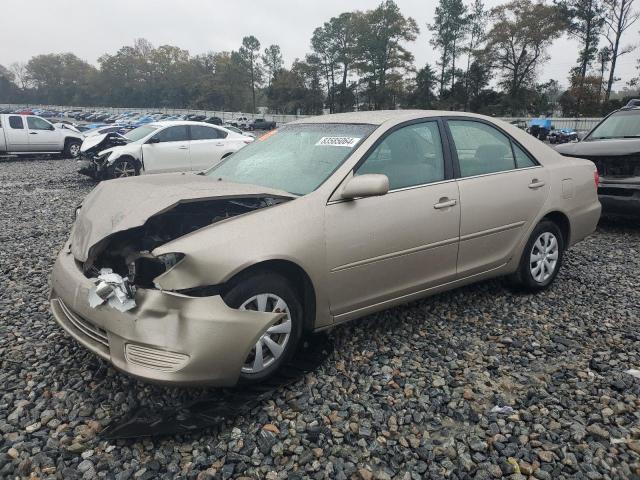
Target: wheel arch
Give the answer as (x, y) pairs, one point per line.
(300, 281)
(563, 223)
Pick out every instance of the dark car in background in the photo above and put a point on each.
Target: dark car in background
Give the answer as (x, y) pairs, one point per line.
(614, 146)
(262, 124)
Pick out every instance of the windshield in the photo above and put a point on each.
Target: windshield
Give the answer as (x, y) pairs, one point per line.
(622, 124)
(295, 158)
(140, 132)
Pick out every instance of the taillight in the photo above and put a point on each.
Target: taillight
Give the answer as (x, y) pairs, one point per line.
(596, 178)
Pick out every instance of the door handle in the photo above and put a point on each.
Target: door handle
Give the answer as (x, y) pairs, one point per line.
(183, 148)
(445, 203)
(535, 183)
(33, 133)
(220, 144)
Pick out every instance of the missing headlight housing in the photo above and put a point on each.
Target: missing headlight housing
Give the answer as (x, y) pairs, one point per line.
(143, 269)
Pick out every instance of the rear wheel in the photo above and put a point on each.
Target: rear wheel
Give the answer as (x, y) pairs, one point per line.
(268, 292)
(541, 258)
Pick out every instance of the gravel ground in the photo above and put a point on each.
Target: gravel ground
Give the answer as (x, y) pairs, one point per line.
(407, 393)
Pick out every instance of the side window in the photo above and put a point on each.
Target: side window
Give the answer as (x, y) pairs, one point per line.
(15, 122)
(35, 123)
(410, 156)
(199, 132)
(481, 148)
(522, 159)
(173, 134)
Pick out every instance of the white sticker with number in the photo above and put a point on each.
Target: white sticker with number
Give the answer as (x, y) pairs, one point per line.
(349, 142)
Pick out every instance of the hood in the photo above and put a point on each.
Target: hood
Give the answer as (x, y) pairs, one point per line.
(97, 143)
(119, 205)
(600, 148)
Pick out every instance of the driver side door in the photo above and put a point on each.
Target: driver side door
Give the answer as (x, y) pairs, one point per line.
(167, 151)
(380, 249)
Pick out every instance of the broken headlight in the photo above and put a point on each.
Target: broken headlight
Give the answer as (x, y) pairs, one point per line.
(145, 268)
(103, 157)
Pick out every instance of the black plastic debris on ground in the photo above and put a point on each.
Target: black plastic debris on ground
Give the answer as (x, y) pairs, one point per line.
(210, 411)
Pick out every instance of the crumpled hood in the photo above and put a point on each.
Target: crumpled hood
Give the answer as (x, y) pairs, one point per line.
(97, 143)
(608, 148)
(118, 205)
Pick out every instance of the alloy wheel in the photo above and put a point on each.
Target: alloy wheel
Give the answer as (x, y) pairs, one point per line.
(271, 345)
(124, 169)
(544, 257)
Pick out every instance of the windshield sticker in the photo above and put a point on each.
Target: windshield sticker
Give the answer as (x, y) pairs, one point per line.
(349, 142)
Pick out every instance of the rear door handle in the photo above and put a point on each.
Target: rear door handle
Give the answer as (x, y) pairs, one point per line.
(220, 144)
(445, 203)
(33, 133)
(535, 183)
(183, 148)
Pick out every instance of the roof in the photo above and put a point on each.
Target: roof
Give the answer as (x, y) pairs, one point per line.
(378, 117)
(169, 123)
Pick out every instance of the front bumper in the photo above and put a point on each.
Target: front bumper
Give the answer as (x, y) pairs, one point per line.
(166, 338)
(620, 197)
(88, 167)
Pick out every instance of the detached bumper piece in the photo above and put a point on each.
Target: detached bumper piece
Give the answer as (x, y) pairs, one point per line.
(210, 411)
(620, 196)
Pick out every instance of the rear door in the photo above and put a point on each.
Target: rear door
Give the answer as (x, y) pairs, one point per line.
(16, 134)
(207, 146)
(502, 189)
(170, 153)
(43, 136)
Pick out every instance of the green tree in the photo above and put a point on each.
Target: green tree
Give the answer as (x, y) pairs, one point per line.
(477, 24)
(381, 33)
(518, 41)
(423, 95)
(8, 89)
(449, 31)
(272, 60)
(249, 52)
(61, 79)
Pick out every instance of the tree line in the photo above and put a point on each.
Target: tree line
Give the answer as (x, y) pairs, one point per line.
(488, 61)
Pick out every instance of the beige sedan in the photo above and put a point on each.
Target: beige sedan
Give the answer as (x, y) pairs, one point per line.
(213, 278)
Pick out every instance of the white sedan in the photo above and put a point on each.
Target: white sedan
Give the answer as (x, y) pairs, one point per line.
(160, 147)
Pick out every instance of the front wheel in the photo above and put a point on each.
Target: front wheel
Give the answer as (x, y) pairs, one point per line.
(123, 167)
(268, 292)
(72, 149)
(541, 258)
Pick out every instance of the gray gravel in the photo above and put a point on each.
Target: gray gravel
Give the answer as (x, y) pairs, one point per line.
(407, 394)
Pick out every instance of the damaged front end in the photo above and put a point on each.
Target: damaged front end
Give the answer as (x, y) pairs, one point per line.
(129, 253)
(104, 292)
(95, 152)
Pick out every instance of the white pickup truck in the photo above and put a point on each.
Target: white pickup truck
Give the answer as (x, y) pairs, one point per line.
(29, 134)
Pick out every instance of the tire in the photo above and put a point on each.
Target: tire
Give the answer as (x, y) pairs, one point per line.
(264, 291)
(124, 167)
(547, 244)
(72, 149)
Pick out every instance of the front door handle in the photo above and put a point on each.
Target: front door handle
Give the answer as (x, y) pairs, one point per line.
(445, 203)
(33, 133)
(182, 147)
(535, 183)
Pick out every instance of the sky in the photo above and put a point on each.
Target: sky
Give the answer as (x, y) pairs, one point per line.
(90, 28)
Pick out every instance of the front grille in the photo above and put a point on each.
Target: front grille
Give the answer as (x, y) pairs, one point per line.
(622, 166)
(84, 326)
(154, 358)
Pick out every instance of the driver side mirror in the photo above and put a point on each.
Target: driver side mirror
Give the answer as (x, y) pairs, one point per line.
(367, 185)
(153, 140)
